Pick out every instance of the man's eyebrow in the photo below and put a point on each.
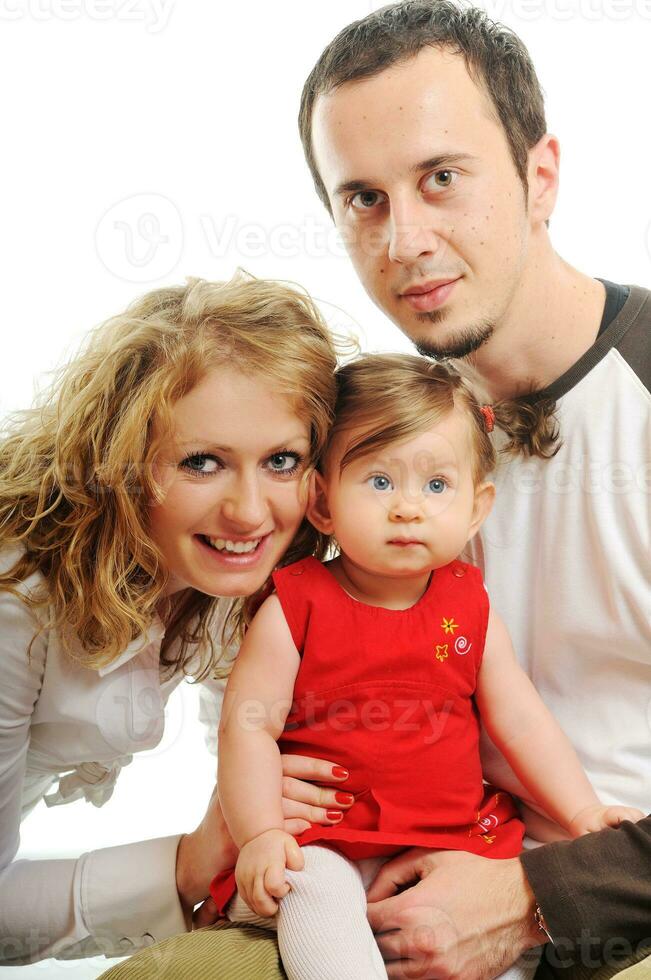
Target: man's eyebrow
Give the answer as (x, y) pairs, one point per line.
(441, 160)
(432, 163)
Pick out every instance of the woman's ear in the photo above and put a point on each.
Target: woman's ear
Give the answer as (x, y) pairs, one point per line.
(318, 512)
(484, 497)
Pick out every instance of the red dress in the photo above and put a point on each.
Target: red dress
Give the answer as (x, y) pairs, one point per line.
(388, 695)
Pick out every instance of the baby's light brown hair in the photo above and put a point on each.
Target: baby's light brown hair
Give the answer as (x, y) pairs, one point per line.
(394, 397)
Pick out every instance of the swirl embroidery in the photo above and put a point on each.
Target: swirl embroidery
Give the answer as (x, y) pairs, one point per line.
(462, 645)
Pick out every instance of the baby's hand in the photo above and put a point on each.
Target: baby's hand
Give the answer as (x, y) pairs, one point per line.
(598, 817)
(260, 870)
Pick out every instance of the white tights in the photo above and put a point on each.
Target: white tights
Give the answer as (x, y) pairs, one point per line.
(323, 933)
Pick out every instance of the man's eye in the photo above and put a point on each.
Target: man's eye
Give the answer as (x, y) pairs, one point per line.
(437, 485)
(365, 200)
(440, 180)
(381, 483)
(202, 465)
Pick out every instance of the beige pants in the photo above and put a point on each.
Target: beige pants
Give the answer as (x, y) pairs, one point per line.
(229, 952)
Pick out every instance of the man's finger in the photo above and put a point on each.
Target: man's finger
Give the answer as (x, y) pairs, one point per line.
(382, 915)
(404, 970)
(402, 870)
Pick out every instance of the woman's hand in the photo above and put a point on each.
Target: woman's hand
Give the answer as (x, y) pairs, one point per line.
(201, 855)
(303, 802)
(210, 849)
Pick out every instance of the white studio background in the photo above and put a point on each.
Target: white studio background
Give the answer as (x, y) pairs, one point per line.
(147, 140)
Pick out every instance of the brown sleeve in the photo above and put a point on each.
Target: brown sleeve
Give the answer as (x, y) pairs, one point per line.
(598, 885)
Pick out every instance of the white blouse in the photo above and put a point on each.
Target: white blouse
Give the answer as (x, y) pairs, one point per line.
(65, 733)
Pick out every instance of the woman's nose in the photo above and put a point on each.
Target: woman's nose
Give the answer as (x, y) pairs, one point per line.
(245, 504)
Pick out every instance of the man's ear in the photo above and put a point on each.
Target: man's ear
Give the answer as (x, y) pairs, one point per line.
(542, 176)
(484, 497)
(318, 512)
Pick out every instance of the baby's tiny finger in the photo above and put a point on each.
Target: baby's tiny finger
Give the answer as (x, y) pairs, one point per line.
(261, 901)
(275, 883)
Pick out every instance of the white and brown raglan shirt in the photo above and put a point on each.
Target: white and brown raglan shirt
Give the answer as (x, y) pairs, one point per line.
(566, 555)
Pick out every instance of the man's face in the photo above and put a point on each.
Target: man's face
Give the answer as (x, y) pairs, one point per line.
(425, 192)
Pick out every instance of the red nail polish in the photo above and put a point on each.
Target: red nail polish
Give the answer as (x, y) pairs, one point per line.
(334, 814)
(340, 773)
(344, 798)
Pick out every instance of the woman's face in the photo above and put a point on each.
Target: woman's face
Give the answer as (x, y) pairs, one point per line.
(231, 474)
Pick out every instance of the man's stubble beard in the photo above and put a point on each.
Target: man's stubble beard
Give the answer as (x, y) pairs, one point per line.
(466, 342)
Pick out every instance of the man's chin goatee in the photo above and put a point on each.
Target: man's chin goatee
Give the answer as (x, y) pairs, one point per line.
(462, 345)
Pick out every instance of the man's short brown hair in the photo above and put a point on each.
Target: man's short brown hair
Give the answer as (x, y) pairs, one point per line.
(495, 57)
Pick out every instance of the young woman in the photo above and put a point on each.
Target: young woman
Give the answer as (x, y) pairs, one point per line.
(163, 473)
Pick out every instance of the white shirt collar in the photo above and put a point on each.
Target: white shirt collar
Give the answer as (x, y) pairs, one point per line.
(154, 634)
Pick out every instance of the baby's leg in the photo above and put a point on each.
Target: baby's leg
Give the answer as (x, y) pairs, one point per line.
(323, 932)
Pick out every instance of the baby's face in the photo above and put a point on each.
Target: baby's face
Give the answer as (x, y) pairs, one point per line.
(407, 508)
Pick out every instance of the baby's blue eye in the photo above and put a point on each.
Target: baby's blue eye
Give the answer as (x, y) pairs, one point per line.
(436, 485)
(381, 483)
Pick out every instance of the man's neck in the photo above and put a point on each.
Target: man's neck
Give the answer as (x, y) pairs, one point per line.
(553, 320)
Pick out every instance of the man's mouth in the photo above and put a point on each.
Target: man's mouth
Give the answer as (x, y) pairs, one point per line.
(427, 296)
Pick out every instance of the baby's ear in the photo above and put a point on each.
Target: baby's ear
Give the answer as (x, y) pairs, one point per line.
(484, 497)
(318, 512)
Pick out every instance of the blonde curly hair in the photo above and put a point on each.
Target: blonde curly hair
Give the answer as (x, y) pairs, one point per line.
(76, 469)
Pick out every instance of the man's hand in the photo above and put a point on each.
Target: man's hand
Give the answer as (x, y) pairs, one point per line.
(466, 917)
(598, 817)
(260, 870)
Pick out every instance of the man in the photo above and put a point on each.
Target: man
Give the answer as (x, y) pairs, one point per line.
(424, 129)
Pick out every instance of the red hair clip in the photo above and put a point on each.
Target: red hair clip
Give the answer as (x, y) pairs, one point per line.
(489, 417)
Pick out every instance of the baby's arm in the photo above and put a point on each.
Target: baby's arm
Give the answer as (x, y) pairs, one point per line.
(256, 703)
(532, 742)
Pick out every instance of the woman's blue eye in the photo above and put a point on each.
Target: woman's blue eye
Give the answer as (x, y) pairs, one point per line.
(284, 462)
(381, 483)
(437, 485)
(202, 465)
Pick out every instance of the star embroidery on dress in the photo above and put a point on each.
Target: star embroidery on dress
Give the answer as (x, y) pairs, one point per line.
(441, 652)
(449, 625)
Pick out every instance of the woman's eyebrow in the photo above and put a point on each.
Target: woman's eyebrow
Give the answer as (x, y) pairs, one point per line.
(208, 445)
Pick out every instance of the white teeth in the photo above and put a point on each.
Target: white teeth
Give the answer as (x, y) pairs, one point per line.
(239, 547)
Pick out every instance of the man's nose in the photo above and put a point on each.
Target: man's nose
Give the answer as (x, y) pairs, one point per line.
(414, 231)
(244, 504)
